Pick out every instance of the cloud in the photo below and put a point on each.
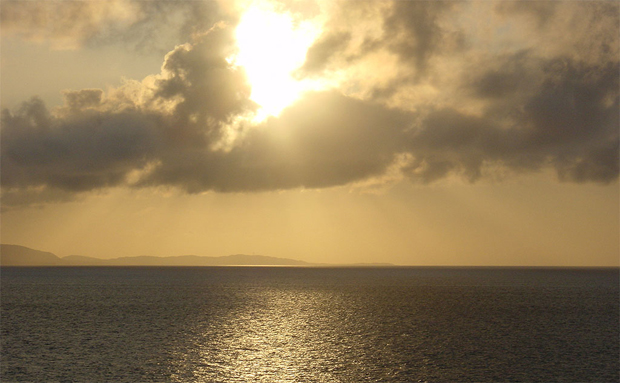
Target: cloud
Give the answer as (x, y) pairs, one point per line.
(321, 51)
(427, 100)
(138, 24)
(488, 91)
(541, 11)
(207, 92)
(585, 31)
(83, 151)
(82, 99)
(568, 121)
(575, 117)
(326, 139)
(45, 20)
(413, 32)
(95, 142)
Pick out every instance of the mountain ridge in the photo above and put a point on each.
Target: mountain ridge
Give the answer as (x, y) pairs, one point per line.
(16, 255)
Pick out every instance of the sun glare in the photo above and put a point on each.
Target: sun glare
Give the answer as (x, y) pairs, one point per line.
(271, 46)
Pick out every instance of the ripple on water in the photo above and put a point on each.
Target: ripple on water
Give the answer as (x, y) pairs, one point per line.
(299, 325)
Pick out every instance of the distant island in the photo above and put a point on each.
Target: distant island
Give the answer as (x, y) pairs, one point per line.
(14, 255)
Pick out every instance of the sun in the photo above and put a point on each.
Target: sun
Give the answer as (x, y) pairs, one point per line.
(271, 46)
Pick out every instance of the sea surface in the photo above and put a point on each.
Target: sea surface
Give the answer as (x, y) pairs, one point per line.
(282, 324)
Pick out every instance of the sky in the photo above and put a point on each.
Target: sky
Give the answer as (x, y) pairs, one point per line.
(480, 133)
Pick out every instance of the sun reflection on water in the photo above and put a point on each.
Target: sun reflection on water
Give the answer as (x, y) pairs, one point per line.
(273, 338)
(309, 325)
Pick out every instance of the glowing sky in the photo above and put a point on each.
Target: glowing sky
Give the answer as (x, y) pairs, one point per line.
(410, 132)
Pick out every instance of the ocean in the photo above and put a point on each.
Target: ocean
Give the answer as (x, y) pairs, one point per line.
(287, 324)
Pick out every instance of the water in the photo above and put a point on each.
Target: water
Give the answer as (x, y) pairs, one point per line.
(133, 324)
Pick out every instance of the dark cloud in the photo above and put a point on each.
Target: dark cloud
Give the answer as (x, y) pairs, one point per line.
(448, 141)
(324, 140)
(576, 102)
(410, 29)
(321, 51)
(575, 116)
(93, 143)
(82, 99)
(585, 30)
(571, 123)
(210, 91)
(520, 110)
(84, 151)
(599, 164)
(413, 32)
(505, 77)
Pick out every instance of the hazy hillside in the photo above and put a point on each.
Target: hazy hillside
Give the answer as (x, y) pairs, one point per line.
(13, 255)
